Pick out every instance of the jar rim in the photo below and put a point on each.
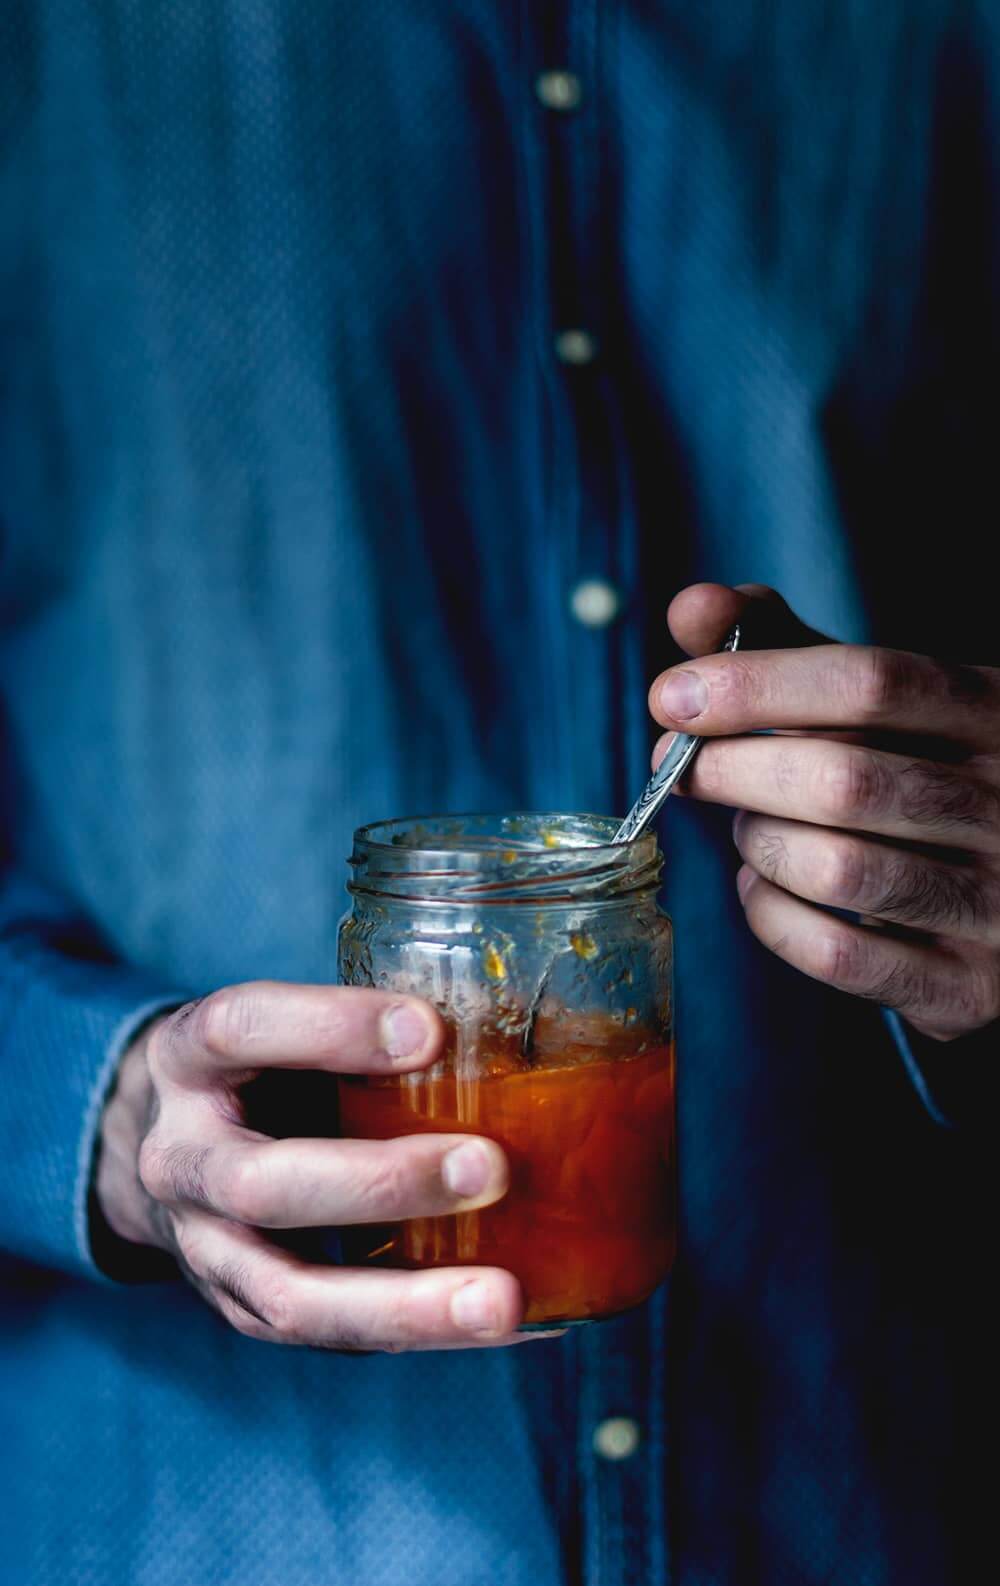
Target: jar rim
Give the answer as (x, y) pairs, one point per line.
(501, 857)
(512, 822)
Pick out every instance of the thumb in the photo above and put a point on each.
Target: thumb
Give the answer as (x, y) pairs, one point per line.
(701, 616)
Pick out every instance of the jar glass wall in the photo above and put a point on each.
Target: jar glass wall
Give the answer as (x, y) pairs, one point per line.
(542, 946)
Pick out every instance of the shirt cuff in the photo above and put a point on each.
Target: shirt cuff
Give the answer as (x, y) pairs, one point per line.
(62, 1038)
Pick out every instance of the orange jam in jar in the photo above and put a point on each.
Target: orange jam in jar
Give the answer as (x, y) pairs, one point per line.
(555, 985)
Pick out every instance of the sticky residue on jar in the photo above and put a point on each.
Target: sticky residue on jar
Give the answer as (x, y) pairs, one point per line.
(583, 945)
(493, 962)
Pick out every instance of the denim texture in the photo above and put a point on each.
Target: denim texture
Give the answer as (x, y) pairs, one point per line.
(294, 491)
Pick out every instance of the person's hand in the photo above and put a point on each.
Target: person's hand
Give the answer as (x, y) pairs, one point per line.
(180, 1170)
(879, 794)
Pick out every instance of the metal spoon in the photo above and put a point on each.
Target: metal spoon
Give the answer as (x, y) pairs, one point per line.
(671, 768)
(673, 765)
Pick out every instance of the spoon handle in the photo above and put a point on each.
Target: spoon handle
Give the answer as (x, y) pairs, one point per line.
(682, 750)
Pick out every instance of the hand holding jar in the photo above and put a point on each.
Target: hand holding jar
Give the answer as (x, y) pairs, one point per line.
(180, 1170)
(505, 1064)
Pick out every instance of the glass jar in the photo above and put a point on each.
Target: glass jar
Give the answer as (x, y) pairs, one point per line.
(543, 947)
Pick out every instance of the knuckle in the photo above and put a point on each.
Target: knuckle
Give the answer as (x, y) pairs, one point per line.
(241, 1320)
(842, 873)
(170, 1041)
(242, 1187)
(851, 786)
(277, 1309)
(718, 767)
(219, 1020)
(226, 1020)
(152, 1169)
(876, 682)
(183, 1174)
(266, 1301)
(388, 1184)
(845, 960)
(826, 958)
(736, 685)
(839, 958)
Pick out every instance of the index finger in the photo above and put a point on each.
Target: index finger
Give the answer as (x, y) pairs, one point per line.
(831, 685)
(273, 1024)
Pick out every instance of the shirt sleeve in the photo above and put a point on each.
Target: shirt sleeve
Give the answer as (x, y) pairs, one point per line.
(958, 1081)
(67, 1013)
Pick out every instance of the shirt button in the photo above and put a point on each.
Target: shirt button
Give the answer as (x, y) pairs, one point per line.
(617, 1438)
(595, 603)
(559, 90)
(576, 347)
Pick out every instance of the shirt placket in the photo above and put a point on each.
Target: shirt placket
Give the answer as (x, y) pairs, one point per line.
(586, 545)
(621, 1450)
(595, 656)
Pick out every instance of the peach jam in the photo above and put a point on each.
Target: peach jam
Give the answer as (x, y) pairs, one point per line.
(543, 947)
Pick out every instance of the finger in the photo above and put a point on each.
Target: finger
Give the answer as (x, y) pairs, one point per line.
(840, 686)
(871, 878)
(269, 1294)
(833, 784)
(702, 615)
(925, 746)
(325, 1183)
(947, 995)
(269, 1024)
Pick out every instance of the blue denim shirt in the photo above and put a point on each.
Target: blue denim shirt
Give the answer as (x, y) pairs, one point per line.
(298, 474)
